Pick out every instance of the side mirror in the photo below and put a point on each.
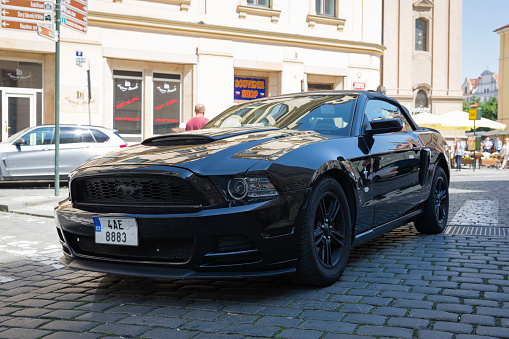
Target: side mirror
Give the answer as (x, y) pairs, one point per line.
(20, 142)
(380, 126)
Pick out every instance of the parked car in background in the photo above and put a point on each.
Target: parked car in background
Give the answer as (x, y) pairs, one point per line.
(280, 185)
(30, 153)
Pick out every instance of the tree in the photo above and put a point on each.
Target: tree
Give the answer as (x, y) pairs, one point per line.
(489, 109)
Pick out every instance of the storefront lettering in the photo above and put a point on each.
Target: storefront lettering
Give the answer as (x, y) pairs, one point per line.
(166, 120)
(167, 103)
(166, 89)
(126, 119)
(127, 86)
(19, 75)
(248, 88)
(130, 101)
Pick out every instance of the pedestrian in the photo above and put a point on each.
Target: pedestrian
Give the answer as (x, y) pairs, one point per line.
(458, 153)
(498, 145)
(487, 145)
(505, 153)
(199, 120)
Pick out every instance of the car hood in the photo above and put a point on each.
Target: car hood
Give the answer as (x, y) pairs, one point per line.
(210, 151)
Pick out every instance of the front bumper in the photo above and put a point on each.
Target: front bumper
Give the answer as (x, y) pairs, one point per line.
(243, 241)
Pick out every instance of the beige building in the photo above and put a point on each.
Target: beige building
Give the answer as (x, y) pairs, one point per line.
(422, 63)
(152, 61)
(503, 84)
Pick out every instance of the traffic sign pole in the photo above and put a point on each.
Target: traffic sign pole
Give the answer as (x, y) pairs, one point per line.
(57, 101)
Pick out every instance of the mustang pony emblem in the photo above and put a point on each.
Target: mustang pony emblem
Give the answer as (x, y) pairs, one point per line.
(127, 191)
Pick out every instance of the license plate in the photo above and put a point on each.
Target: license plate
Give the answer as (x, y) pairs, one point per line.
(116, 231)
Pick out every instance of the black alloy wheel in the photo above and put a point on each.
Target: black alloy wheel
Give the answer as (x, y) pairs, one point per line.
(329, 233)
(436, 209)
(325, 235)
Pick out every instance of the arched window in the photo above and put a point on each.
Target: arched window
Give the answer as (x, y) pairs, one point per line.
(421, 35)
(421, 99)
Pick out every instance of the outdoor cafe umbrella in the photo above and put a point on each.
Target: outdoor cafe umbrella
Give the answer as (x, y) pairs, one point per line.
(459, 120)
(428, 120)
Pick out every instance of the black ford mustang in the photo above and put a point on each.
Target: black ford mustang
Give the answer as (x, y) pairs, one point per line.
(282, 185)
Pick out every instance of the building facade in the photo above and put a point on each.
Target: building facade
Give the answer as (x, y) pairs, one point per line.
(422, 63)
(150, 62)
(503, 85)
(484, 87)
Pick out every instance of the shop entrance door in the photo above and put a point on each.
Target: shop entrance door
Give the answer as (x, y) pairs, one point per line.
(18, 111)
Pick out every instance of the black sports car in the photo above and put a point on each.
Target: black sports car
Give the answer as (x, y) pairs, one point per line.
(281, 185)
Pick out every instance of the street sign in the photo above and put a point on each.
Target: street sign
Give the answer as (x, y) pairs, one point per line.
(475, 105)
(74, 24)
(70, 13)
(18, 25)
(29, 4)
(47, 32)
(474, 114)
(80, 6)
(26, 16)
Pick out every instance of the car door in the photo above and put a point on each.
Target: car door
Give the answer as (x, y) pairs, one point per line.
(76, 146)
(395, 164)
(35, 157)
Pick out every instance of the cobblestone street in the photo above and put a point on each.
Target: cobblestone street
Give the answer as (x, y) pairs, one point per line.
(400, 285)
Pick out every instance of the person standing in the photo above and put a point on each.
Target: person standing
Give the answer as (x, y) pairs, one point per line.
(458, 152)
(505, 153)
(199, 120)
(498, 145)
(487, 144)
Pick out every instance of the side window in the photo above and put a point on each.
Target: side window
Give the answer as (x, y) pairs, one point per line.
(99, 136)
(73, 135)
(39, 136)
(379, 109)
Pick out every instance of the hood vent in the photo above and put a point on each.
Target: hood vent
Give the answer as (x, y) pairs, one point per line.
(178, 140)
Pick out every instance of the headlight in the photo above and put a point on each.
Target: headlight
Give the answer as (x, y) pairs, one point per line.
(239, 188)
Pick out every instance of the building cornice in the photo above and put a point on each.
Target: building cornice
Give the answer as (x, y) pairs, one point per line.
(110, 20)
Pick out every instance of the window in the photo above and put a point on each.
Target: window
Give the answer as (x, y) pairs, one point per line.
(319, 87)
(71, 135)
(99, 136)
(421, 99)
(378, 109)
(264, 3)
(127, 101)
(325, 7)
(39, 136)
(421, 35)
(167, 97)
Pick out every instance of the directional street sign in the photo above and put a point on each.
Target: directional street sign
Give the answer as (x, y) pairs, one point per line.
(18, 25)
(47, 32)
(80, 6)
(75, 15)
(29, 4)
(74, 24)
(26, 16)
(81, 18)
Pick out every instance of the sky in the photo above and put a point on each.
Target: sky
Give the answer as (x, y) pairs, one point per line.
(480, 47)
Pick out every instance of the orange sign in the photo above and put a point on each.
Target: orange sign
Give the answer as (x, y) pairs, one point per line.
(20, 26)
(31, 4)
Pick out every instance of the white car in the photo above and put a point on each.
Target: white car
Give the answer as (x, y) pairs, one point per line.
(30, 153)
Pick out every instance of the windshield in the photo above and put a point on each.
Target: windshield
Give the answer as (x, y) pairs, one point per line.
(322, 113)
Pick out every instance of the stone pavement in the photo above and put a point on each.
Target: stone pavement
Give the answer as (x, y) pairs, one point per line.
(400, 285)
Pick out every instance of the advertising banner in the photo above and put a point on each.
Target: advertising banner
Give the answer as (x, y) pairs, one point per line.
(249, 88)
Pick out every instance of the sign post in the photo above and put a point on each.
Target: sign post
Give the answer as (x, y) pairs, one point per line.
(474, 113)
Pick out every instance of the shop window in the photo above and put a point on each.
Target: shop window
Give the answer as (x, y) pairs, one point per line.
(20, 74)
(421, 99)
(264, 3)
(319, 87)
(325, 7)
(128, 102)
(421, 35)
(167, 102)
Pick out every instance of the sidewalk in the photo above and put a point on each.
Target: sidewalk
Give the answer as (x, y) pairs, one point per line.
(41, 201)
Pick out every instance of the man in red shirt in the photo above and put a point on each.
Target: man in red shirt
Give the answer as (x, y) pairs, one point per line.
(199, 120)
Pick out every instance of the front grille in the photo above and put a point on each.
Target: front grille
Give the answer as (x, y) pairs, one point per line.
(168, 250)
(134, 190)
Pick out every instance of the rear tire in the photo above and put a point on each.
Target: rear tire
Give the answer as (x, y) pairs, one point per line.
(325, 234)
(436, 209)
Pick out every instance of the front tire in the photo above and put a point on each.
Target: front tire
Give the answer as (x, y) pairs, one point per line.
(436, 209)
(325, 234)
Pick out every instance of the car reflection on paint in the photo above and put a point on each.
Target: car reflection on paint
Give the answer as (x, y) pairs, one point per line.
(281, 185)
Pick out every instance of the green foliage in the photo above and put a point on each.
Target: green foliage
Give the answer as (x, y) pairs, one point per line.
(489, 108)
